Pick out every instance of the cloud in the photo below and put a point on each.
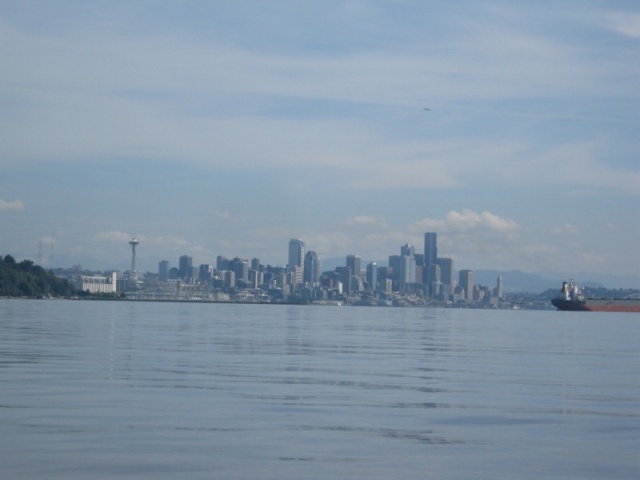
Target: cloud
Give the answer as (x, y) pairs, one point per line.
(566, 229)
(11, 206)
(112, 236)
(366, 221)
(627, 24)
(223, 215)
(467, 221)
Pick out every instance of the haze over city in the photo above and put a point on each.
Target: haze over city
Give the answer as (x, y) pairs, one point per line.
(227, 128)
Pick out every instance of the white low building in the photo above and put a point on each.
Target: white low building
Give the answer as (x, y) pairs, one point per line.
(97, 284)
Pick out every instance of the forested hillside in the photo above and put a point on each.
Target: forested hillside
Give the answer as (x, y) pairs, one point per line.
(25, 279)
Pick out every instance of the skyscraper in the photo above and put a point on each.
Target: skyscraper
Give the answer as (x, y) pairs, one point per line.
(446, 271)
(163, 270)
(185, 265)
(466, 283)
(372, 275)
(296, 253)
(353, 262)
(430, 255)
(407, 275)
(311, 273)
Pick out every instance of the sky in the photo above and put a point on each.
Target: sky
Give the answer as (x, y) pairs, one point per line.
(209, 128)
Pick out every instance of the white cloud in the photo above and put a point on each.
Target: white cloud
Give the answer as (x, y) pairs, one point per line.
(627, 24)
(112, 236)
(566, 229)
(223, 215)
(467, 221)
(11, 206)
(366, 221)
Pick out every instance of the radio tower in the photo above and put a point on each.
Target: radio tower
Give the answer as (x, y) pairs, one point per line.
(134, 275)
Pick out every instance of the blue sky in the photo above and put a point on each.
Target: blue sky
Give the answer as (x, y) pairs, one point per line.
(210, 128)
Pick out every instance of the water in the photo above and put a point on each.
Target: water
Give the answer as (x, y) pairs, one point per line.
(92, 390)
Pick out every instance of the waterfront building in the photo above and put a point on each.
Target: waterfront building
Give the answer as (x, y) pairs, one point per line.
(97, 283)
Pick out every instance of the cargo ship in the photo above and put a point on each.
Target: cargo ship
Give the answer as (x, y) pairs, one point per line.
(572, 298)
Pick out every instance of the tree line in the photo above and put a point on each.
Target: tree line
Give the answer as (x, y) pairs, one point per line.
(25, 279)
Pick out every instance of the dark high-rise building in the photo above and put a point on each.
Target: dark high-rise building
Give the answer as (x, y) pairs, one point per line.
(185, 266)
(205, 272)
(296, 253)
(353, 262)
(345, 278)
(222, 263)
(446, 271)
(255, 264)
(372, 276)
(430, 255)
(430, 248)
(311, 272)
(466, 283)
(163, 270)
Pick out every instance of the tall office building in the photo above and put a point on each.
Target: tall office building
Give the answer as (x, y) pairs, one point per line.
(407, 275)
(446, 272)
(311, 273)
(430, 248)
(240, 267)
(407, 249)
(430, 255)
(185, 266)
(353, 262)
(499, 292)
(372, 275)
(163, 270)
(222, 263)
(296, 253)
(255, 264)
(466, 283)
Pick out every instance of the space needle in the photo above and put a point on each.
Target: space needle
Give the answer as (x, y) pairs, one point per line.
(134, 275)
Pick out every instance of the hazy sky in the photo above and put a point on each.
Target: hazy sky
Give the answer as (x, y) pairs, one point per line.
(211, 127)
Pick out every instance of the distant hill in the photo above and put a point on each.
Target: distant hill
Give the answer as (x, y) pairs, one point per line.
(25, 279)
(516, 281)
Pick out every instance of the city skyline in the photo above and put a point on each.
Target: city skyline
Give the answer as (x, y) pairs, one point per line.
(509, 128)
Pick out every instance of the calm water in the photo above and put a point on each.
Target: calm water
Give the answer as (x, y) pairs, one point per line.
(93, 390)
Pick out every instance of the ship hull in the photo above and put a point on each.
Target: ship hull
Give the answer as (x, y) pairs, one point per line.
(598, 305)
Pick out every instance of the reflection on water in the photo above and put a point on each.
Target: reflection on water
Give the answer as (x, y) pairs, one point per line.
(146, 390)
